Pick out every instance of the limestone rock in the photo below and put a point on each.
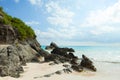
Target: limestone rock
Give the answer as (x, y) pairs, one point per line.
(10, 64)
(13, 57)
(7, 34)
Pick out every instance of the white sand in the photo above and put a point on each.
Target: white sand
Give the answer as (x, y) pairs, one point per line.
(3, 46)
(106, 71)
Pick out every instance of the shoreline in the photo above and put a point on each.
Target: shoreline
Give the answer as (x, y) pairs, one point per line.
(106, 71)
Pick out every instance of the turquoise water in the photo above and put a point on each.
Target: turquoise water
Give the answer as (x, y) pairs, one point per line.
(98, 53)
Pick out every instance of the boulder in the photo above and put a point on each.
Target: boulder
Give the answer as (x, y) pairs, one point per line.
(10, 64)
(52, 46)
(87, 63)
(13, 57)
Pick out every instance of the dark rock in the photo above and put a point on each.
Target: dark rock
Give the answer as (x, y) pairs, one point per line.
(47, 75)
(70, 49)
(87, 63)
(58, 72)
(52, 46)
(72, 56)
(59, 54)
(77, 68)
(56, 58)
(62, 51)
(74, 62)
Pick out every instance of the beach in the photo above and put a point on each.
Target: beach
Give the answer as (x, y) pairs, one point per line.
(37, 71)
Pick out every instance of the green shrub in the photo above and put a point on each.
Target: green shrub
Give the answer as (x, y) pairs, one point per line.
(24, 30)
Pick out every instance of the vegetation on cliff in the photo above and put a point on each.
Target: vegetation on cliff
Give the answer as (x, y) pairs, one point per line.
(24, 30)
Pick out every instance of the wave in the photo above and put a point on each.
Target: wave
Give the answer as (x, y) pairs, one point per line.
(114, 62)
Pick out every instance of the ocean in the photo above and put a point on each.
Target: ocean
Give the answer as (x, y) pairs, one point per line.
(98, 53)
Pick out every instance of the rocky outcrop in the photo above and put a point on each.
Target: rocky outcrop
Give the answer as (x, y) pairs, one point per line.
(23, 46)
(61, 55)
(18, 53)
(65, 52)
(13, 57)
(87, 63)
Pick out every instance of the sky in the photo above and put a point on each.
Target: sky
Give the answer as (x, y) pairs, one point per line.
(69, 22)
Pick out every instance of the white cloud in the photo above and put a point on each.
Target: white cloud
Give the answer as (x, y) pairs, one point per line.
(99, 26)
(58, 15)
(61, 19)
(16, 1)
(36, 2)
(102, 30)
(32, 23)
(104, 21)
(54, 34)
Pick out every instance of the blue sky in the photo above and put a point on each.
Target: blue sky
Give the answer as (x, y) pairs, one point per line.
(69, 22)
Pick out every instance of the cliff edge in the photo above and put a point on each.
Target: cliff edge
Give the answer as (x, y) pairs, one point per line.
(21, 45)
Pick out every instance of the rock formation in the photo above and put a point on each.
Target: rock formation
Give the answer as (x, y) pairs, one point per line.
(18, 52)
(87, 63)
(61, 55)
(23, 46)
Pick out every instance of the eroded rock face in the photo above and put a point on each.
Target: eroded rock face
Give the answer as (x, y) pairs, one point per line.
(7, 34)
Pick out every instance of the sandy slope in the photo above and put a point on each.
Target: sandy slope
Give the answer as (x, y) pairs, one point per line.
(106, 71)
